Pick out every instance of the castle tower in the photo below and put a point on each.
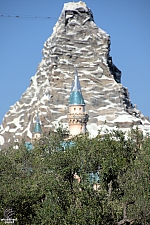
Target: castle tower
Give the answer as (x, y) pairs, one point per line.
(77, 117)
(37, 128)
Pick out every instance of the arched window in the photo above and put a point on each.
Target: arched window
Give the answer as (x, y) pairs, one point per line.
(74, 109)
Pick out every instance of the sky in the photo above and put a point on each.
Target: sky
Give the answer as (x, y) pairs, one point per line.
(25, 26)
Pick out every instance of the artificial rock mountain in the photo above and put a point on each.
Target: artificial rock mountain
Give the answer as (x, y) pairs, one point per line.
(75, 41)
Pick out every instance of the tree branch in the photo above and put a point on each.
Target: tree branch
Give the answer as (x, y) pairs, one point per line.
(125, 219)
(109, 188)
(130, 221)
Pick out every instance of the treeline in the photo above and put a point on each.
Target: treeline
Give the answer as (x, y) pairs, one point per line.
(52, 185)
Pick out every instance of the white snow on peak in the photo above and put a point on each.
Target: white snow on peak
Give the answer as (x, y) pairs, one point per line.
(5, 130)
(125, 118)
(75, 6)
(1, 140)
(29, 134)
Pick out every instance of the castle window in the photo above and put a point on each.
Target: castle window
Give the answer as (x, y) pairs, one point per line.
(74, 109)
(79, 108)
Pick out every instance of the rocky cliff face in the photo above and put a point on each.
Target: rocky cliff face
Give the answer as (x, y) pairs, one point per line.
(75, 41)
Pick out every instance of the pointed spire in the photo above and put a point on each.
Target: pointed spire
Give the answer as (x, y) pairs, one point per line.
(37, 127)
(76, 83)
(76, 97)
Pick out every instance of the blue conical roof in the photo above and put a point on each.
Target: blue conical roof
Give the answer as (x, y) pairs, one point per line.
(37, 127)
(76, 97)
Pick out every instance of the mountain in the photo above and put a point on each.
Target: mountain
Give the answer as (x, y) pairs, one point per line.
(75, 41)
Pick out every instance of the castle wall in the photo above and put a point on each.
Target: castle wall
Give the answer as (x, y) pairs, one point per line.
(76, 129)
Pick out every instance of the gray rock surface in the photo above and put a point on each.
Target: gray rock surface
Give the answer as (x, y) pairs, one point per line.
(75, 41)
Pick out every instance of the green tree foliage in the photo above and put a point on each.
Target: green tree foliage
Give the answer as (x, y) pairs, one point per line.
(48, 185)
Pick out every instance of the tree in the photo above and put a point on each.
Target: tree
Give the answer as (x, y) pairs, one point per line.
(51, 186)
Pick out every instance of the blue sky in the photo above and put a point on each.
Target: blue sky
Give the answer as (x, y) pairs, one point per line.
(22, 39)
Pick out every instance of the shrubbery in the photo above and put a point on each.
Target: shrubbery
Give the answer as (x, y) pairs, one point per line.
(39, 185)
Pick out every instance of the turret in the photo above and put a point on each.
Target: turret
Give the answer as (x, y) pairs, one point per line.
(77, 117)
(37, 128)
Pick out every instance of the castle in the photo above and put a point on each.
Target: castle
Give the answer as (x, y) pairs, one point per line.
(77, 117)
